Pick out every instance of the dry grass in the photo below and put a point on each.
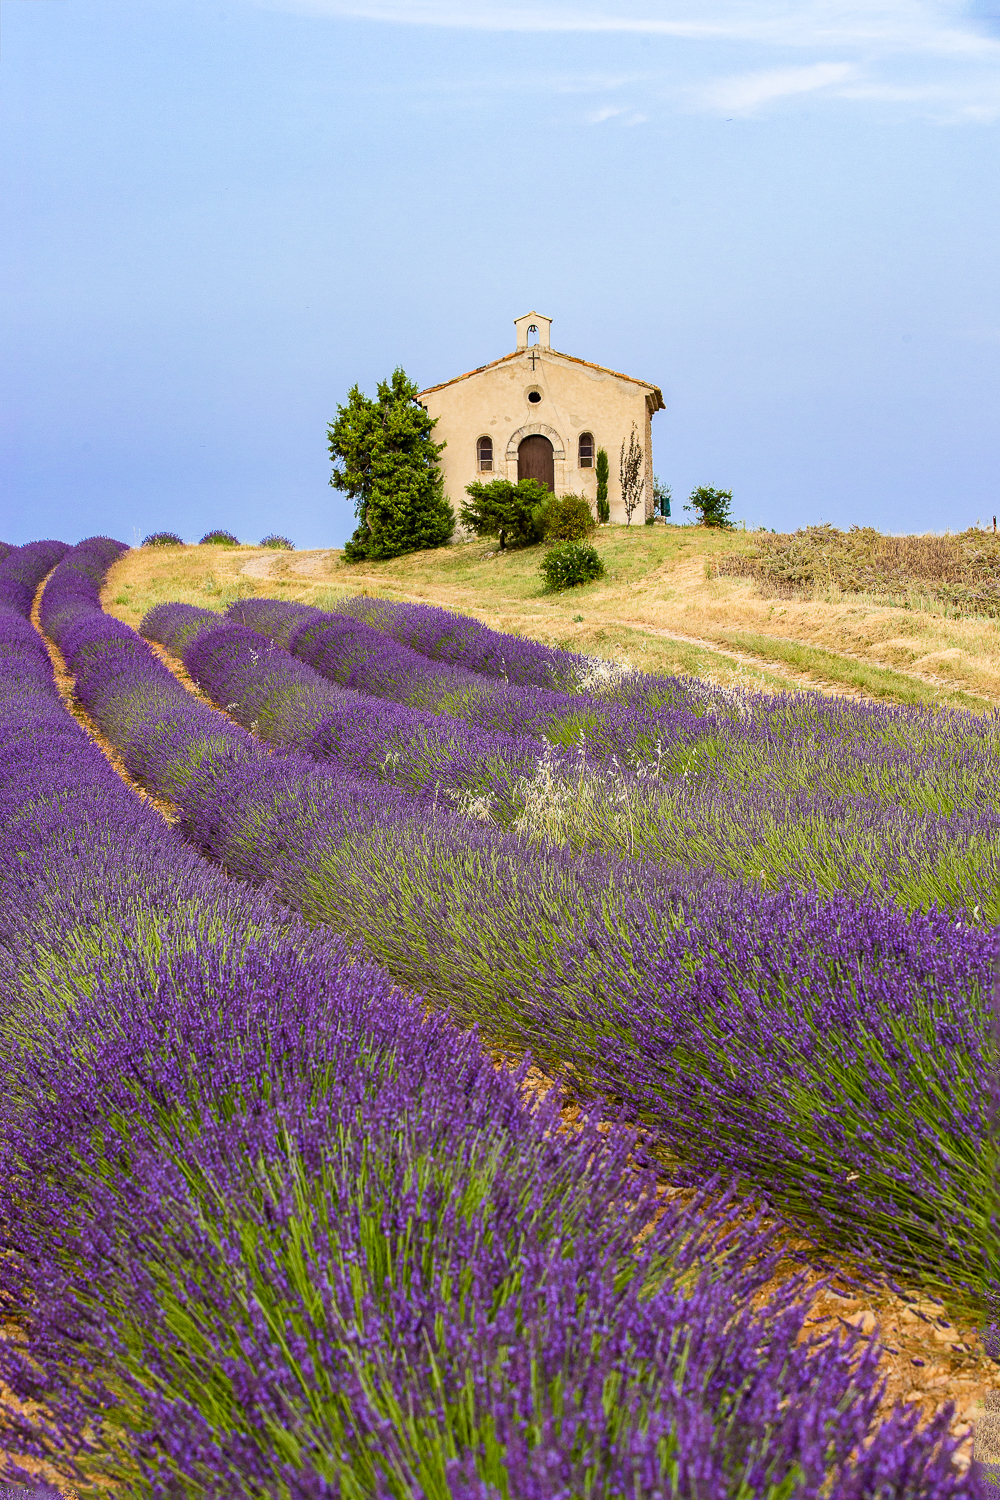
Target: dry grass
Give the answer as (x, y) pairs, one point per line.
(959, 572)
(662, 606)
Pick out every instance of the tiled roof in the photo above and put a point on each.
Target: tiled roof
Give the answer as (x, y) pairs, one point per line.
(658, 405)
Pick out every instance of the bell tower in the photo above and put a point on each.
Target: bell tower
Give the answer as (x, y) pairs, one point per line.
(533, 328)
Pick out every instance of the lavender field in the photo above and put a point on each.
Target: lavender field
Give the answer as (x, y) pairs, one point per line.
(276, 1221)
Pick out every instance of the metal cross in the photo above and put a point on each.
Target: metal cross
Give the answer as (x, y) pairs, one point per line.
(534, 356)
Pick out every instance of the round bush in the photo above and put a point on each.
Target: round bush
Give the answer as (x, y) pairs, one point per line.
(569, 564)
(274, 540)
(162, 539)
(568, 519)
(219, 539)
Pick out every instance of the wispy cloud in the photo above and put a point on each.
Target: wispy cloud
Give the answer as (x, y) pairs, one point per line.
(621, 115)
(939, 55)
(747, 92)
(938, 26)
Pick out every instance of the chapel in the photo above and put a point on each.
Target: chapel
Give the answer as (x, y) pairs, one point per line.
(539, 414)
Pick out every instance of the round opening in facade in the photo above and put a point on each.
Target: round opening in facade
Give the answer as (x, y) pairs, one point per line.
(534, 397)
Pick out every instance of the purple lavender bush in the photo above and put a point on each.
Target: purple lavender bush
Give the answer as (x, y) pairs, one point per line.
(161, 732)
(23, 569)
(829, 1052)
(356, 655)
(82, 572)
(286, 703)
(442, 635)
(534, 942)
(270, 1229)
(309, 1244)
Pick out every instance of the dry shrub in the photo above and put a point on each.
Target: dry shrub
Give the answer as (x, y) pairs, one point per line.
(961, 570)
(568, 518)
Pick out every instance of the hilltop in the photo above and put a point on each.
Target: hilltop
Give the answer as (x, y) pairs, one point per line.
(662, 606)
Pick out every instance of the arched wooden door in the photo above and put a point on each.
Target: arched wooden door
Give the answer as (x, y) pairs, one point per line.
(535, 460)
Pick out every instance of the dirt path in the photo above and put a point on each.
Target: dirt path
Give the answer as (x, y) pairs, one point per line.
(64, 683)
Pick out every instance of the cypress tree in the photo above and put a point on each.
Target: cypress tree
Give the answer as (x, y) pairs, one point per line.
(386, 460)
(603, 508)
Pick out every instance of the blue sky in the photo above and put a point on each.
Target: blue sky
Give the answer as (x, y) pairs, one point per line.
(217, 216)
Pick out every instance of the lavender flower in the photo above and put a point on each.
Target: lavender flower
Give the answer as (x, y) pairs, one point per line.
(273, 1229)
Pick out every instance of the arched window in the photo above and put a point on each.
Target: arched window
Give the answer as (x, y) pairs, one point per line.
(484, 452)
(586, 458)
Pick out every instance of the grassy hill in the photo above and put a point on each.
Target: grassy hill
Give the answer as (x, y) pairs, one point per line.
(663, 606)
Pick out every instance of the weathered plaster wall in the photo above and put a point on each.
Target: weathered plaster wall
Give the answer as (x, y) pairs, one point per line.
(576, 398)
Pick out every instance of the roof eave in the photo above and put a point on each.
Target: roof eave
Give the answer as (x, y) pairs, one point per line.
(654, 391)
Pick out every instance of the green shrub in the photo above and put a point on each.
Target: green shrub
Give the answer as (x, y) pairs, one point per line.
(712, 507)
(568, 518)
(219, 539)
(162, 539)
(571, 563)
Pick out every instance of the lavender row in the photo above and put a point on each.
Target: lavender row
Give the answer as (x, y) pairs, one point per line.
(833, 1054)
(460, 641)
(751, 827)
(354, 654)
(443, 635)
(229, 1134)
(666, 989)
(23, 569)
(914, 760)
(805, 717)
(285, 702)
(153, 726)
(757, 832)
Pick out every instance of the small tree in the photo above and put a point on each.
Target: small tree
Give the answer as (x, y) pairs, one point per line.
(386, 460)
(603, 508)
(512, 512)
(711, 506)
(633, 479)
